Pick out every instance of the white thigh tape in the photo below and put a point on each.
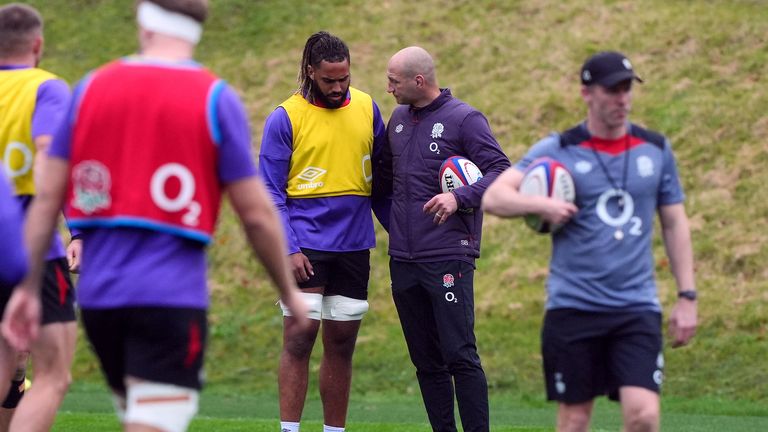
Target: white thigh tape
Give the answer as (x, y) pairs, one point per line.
(166, 407)
(314, 304)
(340, 308)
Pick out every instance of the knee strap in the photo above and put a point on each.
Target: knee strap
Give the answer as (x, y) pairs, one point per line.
(314, 304)
(340, 308)
(163, 406)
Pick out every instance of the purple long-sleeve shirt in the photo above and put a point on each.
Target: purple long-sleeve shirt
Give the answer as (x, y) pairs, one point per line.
(334, 224)
(13, 266)
(125, 267)
(53, 97)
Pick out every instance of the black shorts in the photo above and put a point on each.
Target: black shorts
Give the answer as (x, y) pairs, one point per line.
(57, 293)
(589, 354)
(158, 344)
(341, 273)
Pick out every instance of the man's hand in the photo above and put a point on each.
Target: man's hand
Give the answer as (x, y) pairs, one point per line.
(21, 322)
(557, 212)
(301, 267)
(682, 322)
(74, 253)
(295, 303)
(442, 206)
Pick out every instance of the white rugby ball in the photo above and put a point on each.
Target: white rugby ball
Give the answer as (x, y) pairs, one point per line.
(457, 171)
(547, 177)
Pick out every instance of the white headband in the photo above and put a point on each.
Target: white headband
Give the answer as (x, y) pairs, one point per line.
(157, 19)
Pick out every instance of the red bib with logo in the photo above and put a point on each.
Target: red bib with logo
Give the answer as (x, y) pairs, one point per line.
(144, 150)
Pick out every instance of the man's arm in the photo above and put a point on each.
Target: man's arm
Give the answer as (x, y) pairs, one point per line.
(22, 314)
(274, 164)
(484, 151)
(52, 110)
(13, 267)
(262, 227)
(675, 231)
(503, 199)
(381, 164)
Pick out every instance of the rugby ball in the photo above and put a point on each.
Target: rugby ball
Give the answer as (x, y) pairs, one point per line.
(547, 177)
(457, 171)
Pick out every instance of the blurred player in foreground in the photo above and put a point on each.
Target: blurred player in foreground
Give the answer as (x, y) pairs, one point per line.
(149, 145)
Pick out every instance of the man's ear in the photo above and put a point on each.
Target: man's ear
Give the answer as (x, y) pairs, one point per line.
(37, 46)
(419, 80)
(311, 72)
(585, 92)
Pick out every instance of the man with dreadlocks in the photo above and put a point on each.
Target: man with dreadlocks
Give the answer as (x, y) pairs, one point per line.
(316, 161)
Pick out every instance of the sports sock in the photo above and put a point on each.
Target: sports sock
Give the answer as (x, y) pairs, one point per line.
(16, 390)
(327, 428)
(289, 426)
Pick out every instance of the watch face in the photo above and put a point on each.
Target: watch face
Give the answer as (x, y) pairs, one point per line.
(690, 295)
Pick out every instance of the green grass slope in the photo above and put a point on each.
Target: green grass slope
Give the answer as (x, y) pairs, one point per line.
(705, 67)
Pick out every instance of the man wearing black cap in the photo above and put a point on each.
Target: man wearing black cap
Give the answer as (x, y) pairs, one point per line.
(602, 328)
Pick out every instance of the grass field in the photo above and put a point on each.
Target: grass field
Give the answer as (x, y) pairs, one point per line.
(705, 65)
(88, 408)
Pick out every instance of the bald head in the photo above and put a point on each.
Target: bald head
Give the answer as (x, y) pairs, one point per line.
(414, 61)
(412, 78)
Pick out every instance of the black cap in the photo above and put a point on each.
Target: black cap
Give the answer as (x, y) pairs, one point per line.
(607, 69)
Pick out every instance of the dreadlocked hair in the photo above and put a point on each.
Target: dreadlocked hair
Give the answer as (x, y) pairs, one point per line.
(320, 46)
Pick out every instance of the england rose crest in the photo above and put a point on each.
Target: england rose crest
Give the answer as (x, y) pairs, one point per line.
(91, 186)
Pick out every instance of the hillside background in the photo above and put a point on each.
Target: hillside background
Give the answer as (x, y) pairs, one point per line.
(705, 65)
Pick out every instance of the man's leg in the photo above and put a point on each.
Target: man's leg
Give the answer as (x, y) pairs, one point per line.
(8, 362)
(15, 392)
(451, 288)
(640, 409)
(336, 369)
(158, 407)
(293, 373)
(163, 356)
(344, 305)
(421, 336)
(637, 363)
(575, 366)
(52, 356)
(574, 417)
(52, 353)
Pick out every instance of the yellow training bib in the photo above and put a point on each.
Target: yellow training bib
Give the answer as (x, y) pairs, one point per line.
(18, 98)
(331, 147)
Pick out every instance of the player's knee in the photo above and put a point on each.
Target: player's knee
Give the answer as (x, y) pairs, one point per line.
(574, 418)
(163, 406)
(341, 308)
(314, 302)
(299, 346)
(56, 380)
(642, 419)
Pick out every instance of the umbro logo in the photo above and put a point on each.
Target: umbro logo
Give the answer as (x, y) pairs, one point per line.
(311, 173)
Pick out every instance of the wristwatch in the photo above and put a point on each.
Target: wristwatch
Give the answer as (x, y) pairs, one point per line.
(687, 294)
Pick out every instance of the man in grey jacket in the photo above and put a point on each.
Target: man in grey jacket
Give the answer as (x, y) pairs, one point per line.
(435, 237)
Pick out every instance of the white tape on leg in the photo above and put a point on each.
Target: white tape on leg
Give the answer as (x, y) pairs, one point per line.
(340, 308)
(166, 407)
(314, 304)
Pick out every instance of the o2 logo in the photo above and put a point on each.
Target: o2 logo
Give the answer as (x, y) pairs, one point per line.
(183, 199)
(627, 211)
(15, 166)
(367, 168)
